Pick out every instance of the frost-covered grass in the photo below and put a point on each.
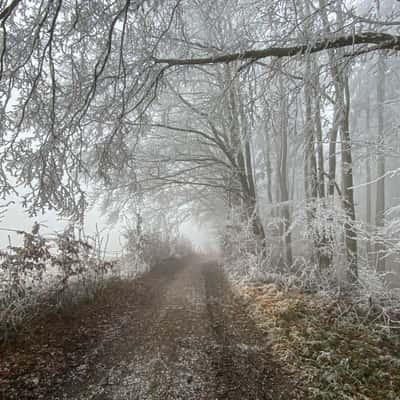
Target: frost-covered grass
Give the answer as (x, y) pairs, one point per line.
(342, 351)
(46, 274)
(35, 297)
(342, 336)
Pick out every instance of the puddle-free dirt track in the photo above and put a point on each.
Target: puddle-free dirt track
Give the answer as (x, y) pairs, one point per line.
(175, 333)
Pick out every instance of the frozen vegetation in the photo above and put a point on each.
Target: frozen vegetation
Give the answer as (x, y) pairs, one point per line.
(272, 125)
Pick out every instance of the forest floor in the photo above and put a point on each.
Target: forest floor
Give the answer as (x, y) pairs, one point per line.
(177, 332)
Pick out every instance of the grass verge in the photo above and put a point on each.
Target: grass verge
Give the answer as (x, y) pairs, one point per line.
(339, 353)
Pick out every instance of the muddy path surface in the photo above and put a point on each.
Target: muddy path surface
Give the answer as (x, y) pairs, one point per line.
(176, 333)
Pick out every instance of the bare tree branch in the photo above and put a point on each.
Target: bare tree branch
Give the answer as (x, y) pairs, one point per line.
(381, 40)
(9, 9)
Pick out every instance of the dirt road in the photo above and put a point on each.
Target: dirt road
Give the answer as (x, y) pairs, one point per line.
(177, 334)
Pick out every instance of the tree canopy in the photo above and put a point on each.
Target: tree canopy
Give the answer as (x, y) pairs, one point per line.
(82, 85)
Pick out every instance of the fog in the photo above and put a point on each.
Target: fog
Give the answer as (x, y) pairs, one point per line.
(235, 168)
(16, 218)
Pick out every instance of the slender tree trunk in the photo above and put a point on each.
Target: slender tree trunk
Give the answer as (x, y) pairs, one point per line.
(318, 133)
(333, 135)
(324, 247)
(310, 163)
(285, 197)
(380, 164)
(283, 182)
(268, 166)
(368, 194)
(347, 186)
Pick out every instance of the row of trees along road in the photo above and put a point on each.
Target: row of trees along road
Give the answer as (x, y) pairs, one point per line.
(266, 107)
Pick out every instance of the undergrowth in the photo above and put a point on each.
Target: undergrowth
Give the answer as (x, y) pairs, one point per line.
(341, 352)
(47, 273)
(342, 336)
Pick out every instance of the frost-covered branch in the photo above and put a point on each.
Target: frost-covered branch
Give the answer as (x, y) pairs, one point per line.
(380, 40)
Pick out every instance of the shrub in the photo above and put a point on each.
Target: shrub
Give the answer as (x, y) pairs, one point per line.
(42, 270)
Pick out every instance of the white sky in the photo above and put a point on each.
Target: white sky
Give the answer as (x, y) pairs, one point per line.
(16, 218)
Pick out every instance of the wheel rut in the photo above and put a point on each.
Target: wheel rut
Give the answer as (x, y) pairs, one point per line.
(182, 336)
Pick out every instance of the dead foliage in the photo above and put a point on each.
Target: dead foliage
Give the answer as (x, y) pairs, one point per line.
(44, 273)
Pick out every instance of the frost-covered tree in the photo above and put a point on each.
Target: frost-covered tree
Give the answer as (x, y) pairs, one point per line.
(165, 100)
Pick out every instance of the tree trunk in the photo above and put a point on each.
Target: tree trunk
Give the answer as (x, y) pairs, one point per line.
(283, 181)
(347, 185)
(368, 194)
(240, 140)
(324, 241)
(310, 162)
(380, 165)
